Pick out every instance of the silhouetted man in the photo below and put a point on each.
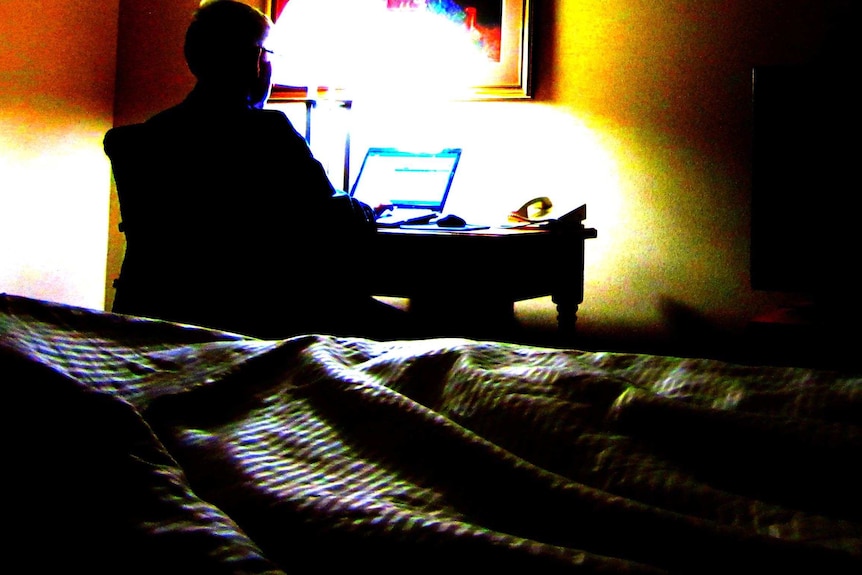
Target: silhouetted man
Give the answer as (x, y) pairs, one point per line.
(230, 222)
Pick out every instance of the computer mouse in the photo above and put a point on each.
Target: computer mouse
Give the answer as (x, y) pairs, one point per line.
(451, 221)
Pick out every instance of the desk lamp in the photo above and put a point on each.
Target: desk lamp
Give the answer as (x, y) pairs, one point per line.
(334, 52)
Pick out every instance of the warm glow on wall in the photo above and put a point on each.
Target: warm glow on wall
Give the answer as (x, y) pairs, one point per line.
(537, 150)
(58, 173)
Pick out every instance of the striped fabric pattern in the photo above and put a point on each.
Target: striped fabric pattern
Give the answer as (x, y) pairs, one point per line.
(319, 452)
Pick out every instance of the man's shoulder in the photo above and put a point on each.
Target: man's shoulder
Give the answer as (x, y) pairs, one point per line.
(270, 113)
(167, 114)
(270, 116)
(189, 109)
(276, 124)
(268, 127)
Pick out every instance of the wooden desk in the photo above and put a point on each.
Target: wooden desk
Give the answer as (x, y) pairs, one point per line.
(466, 283)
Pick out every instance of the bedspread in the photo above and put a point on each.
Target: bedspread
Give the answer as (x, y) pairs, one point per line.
(142, 446)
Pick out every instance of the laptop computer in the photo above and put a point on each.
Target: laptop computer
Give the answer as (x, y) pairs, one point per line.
(405, 187)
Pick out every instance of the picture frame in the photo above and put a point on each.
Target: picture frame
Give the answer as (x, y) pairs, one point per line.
(507, 72)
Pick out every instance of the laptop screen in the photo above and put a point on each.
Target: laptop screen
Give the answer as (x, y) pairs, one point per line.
(405, 179)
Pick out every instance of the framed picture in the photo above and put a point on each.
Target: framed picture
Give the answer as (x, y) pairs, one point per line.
(500, 30)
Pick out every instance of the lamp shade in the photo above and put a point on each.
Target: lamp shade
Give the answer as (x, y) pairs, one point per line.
(375, 47)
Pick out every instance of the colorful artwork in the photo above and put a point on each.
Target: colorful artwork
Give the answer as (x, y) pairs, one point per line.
(482, 19)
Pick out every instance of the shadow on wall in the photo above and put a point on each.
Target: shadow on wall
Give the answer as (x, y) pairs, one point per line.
(686, 332)
(690, 333)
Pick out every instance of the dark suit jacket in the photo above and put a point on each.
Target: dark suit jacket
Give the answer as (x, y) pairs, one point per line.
(230, 222)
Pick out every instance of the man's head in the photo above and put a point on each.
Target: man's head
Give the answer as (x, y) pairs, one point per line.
(224, 47)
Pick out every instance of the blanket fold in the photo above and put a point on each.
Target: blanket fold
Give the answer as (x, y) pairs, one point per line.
(177, 449)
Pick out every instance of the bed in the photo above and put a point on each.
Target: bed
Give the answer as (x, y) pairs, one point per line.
(143, 446)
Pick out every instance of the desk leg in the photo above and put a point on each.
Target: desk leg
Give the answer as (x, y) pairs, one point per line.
(568, 292)
(567, 317)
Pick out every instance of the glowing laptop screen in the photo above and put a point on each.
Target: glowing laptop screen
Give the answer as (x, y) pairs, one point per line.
(406, 179)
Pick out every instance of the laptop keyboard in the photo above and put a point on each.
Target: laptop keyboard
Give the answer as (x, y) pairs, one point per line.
(402, 216)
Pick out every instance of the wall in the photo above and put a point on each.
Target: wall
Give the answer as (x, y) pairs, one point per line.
(642, 112)
(56, 99)
(667, 85)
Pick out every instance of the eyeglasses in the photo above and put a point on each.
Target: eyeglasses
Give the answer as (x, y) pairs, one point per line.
(265, 53)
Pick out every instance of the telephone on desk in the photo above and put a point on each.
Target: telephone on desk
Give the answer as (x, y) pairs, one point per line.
(533, 211)
(536, 212)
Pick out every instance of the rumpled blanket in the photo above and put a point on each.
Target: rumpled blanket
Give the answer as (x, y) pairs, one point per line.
(143, 446)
